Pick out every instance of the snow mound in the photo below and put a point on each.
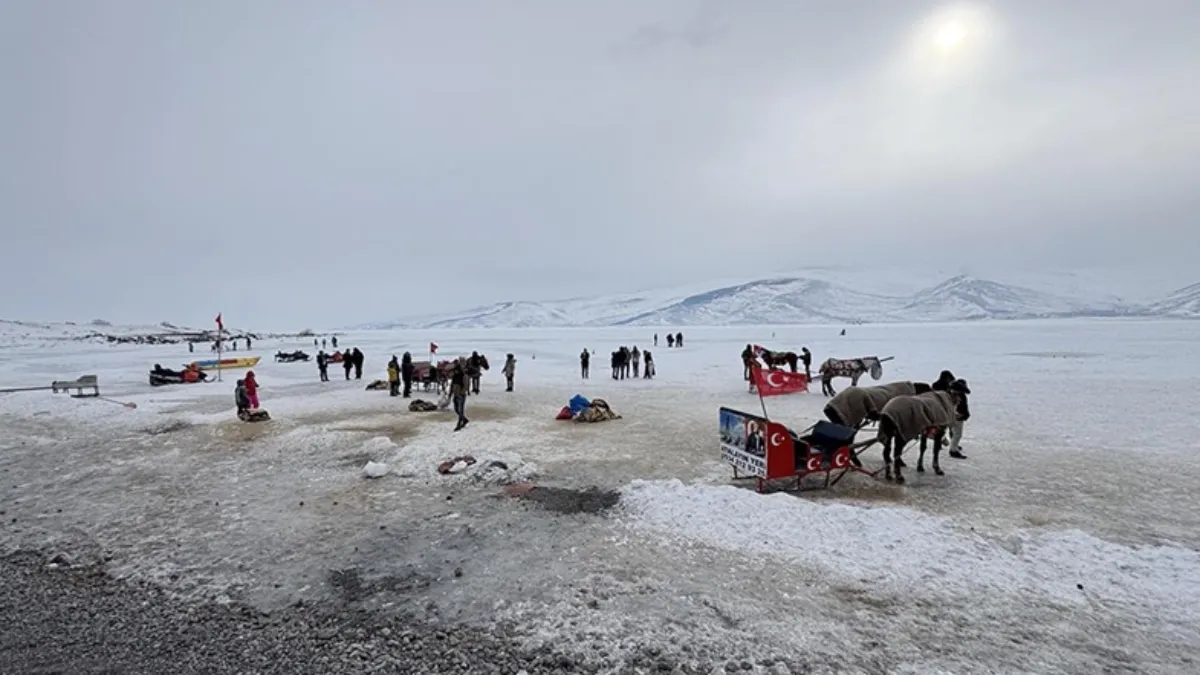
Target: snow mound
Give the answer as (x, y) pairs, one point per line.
(420, 459)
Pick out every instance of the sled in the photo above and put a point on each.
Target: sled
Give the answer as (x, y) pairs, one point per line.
(769, 452)
(254, 415)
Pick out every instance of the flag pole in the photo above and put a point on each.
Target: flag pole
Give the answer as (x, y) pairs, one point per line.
(220, 341)
(755, 376)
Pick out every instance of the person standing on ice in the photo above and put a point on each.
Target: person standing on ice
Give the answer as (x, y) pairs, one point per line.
(323, 365)
(406, 373)
(251, 385)
(584, 359)
(333, 340)
(670, 340)
(393, 373)
(656, 339)
(635, 357)
(323, 344)
(358, 364)
(347, 362)
(648, 365)
(509, 370)
(458, 393)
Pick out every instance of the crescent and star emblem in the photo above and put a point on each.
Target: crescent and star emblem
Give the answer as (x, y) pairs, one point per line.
(771, 380)
(776, 439)
(814, 463)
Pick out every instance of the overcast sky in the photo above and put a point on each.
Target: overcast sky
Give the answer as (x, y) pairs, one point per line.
(313, 163)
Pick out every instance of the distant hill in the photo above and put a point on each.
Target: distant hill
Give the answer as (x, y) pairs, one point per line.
(1184, 303)
(803, 299)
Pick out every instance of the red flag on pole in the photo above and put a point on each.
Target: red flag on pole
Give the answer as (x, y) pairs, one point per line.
(220, 325)
(778, 382)
(432, 347)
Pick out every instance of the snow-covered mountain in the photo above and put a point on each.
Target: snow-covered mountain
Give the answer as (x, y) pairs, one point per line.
(803, 299)
(963, 298)
(1184, 302)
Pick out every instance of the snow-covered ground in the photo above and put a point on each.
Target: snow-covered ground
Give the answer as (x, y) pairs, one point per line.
(1066, 543)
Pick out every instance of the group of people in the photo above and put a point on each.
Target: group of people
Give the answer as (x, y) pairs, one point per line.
(401, 370)
(626, 362)
(325, 342)
(351, 359)
(245, 393)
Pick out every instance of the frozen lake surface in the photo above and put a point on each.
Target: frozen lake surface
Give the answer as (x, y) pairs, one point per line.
(1066, 543)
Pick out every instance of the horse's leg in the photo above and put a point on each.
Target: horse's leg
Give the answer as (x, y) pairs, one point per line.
(854, 378)
(897, 464)
(921, 454)
(792, 362)
(887, 456)
(937, 451)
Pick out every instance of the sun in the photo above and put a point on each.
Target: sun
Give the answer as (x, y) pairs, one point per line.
(949, 35)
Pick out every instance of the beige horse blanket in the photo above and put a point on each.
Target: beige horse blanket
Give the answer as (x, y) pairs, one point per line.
(855, 404)
(913, 415)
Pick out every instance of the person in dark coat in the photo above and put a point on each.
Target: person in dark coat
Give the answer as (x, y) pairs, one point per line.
(358, 363)
(623, 361)
(334, 341)
(943, 382)
(648, 371)
(323, 365)
(348, 362)
(406, 373)
(584, 359)
(679, 339)
(747, 359)
(670, 340)
(459, 384)
(616, 364)
(806, 358)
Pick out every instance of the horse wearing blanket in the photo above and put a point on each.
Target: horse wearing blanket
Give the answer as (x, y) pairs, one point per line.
(851, 368)
(854, 407)
(907, 418)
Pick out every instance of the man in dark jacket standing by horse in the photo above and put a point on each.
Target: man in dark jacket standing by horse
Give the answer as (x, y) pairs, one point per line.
(747, 361)
(358, 363)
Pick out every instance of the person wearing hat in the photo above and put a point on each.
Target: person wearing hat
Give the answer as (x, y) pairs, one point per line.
(963, 414)
(510, 369)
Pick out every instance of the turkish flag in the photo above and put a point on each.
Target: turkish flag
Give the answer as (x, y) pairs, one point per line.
(432, 347)
(220, 324)
(778, 382)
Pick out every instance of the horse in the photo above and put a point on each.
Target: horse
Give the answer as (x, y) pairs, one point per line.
(774, 360)
(851, 368)
(920, 416)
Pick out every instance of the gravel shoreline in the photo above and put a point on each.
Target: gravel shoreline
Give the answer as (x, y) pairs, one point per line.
(62, 619)
(59, 618)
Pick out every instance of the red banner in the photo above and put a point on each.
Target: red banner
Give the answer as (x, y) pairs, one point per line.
(778, 382)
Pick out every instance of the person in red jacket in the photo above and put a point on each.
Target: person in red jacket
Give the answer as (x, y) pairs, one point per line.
(252, 390)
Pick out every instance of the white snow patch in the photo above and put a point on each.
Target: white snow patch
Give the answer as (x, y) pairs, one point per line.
(376, 470)
(912, 552)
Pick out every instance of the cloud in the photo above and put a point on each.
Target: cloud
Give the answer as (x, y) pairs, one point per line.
(309, 165)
